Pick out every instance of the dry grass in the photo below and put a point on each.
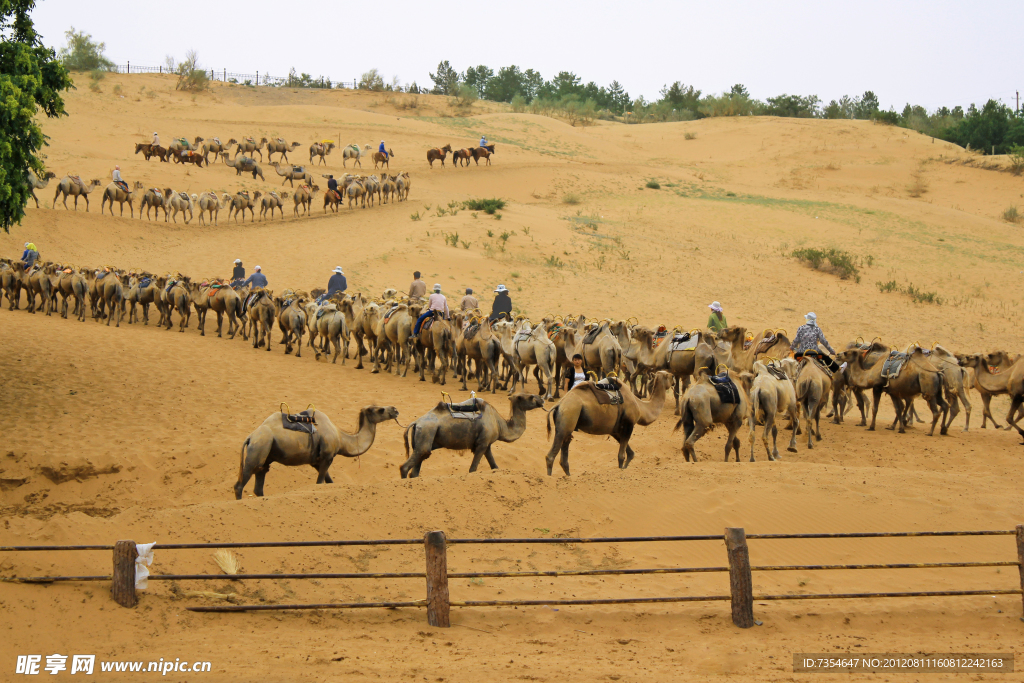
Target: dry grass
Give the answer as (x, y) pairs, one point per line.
(571, 199)
(1012, 215)
(918, 186)
(227, 561)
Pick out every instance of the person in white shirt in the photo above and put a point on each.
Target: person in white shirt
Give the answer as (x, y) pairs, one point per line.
(437, 302)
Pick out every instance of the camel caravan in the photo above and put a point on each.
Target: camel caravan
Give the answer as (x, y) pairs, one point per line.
(619, 372)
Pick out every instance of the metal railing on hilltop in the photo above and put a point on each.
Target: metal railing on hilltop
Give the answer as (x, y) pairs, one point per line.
(256, 79)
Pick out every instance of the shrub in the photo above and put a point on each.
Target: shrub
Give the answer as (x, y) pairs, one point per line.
(190, 77)
(835, 261)
(465, 96)
(485, 205)
(571, 199)
(416, 216)
(653, 184)
(554, 262)
(82, 53)
(1012, 215)
(371, 80)
(887, 287)
(690, 136)
(518, 104)
(1016, 156)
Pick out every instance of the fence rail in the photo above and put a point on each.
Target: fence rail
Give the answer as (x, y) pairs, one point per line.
(438, 601)
(256, 79)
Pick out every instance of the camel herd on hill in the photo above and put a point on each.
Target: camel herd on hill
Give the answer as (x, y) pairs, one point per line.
(732, 378)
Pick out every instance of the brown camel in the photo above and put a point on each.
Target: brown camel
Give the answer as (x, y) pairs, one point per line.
(153, 198)
(36, 282)
(242, 202)
(601, 350)
(393, 335)
(954, 378)
(179, 202)
(113, 289)
(304, 197)
(271, 443)
(245, 164)
(178, 297)
(532, 348)
(70, 284)
(361, 319)
(388, 188)
(403, 183)
(434, 343)
(10, 283)
(476, 431)
(382, 159)
(209, 202)
(770, 396)
(438, 154)
(221, 299)
(291, 319)
(683, 357)
(279, 146)
(38, 183)
(115, 193)
(320, 150)
(292, 173)
(72, 186)
(216, 147)
(812, 387)
(272, 201)
(261, 312)
(371, 187)
(989, 379)
(249, 146)
(330, 325)
(701, 408)
(143, 291)
(477, 343)
(580, 411)
(918, 376)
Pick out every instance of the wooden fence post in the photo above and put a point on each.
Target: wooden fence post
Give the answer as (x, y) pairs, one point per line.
(437, 579)
(122, 589)
(1020, 559)
(740, 582)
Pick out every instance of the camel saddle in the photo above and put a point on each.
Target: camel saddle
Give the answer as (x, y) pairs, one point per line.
(145, 282)
(100, 276)
(77, 180)
(247, 160)
(684, 342)
(298, 169)
(473, 409)
(391, 312)
(249, 139)
(170, 284)
(274, 195)
(766, 343)
(243, 193)
(184, 196)
(775, 371)
(332, 194)
(325, 308)
(427, 324)
(592, 335)
(216, 140)
(660, 334)
(157, 190)
(726, 388)
(893, 365)
(471, 331)
(122, 184)
(299, 422)
(606, 392)
(554, 330)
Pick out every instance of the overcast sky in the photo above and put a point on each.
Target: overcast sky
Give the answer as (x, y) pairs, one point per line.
(931, 53)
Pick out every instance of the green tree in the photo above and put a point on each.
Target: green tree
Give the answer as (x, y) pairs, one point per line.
(371, 80)
(31, 79)
(477, 77)
(505, 85)
(618, 97)
(681, 97)
(82, 53)
(866, 106)
(793, 106)
(446, 80)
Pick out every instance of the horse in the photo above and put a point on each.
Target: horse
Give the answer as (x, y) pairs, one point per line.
(484, 152)
(436, 153)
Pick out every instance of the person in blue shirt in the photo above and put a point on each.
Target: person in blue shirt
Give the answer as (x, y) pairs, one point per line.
(29, 256)
(257, 279)
(483, 141)
(337, 284)
(382, 150)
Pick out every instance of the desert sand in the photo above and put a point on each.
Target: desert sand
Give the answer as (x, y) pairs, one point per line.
(134, 432)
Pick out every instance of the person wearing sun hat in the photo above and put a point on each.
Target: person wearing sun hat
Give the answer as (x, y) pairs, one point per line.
(806, 341)
(716, 323)
(238, 274)
(156, 139)
(337, 284)
(502, 304)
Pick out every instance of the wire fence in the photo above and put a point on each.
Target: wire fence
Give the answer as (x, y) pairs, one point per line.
(438, 602)
(254, 79)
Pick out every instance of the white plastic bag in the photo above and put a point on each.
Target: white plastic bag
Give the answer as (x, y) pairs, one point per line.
(142, 563)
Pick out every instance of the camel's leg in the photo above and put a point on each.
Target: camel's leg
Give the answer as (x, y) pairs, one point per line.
(962, 395)
(261, 476)
(899, 407)
(986, 413)
(876, 395)
(1012, 418)
(625, 431)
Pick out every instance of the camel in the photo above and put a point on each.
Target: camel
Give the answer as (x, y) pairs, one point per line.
(533, 348)
(361, 319)
(178, 202)
(332, 327)
(434, 343)
(1015, 388)
(216, 147)
(771, 396)
(208, 202)
(62, 283)
(143, 296)
(36, 281)
(240, 202)
(387, 188)
(245, 164)
(918, 376)
(953, 378)
(270, 202)
(179, 145)
(292, 321)
(438, 154)
(382, 160)
(604, 351)
(10, 283)
(440, 428)
(115, 193)
(352, 152)
(682, 363)
(293, 173)
(72, 186)
(989, 379)
(304, 197)
(271, 443)
(393, 335)
(482, 152)
(153, 198)
(178, 297)
(812, 387)
(740, 354)
(355, 190)
(320, 150)
(220, 298)
(484, 349)
(38, 183)
(403, 183)
(249, 146)
(371, 187)
(279, 146)
(701, 408)
(112, 289)
(261, 311)
(580, 411)
(148, 150)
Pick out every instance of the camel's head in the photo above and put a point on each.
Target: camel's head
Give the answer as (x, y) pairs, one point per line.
(49, 174)
(95, 182)
(232, 141)
(526, 401)
(378, 414)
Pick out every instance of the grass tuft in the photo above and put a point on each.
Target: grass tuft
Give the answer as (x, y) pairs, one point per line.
(571, 199)
(486, 205)
(1012, 215)
(836, 261)
(653, 184)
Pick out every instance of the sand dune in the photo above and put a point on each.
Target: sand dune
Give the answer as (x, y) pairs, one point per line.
(134, 432)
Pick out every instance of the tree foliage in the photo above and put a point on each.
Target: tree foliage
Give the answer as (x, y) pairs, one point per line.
(31, 79)
(191, 78)
(371, 80)
(82, 53)
(446, 80)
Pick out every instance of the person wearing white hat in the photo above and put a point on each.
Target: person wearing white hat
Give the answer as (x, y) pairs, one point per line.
(257, 279)
(156, 139)
(437, 302)
(502, 304)
(337, 284)
(806, 341)
(238, 274)
(716, 323)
